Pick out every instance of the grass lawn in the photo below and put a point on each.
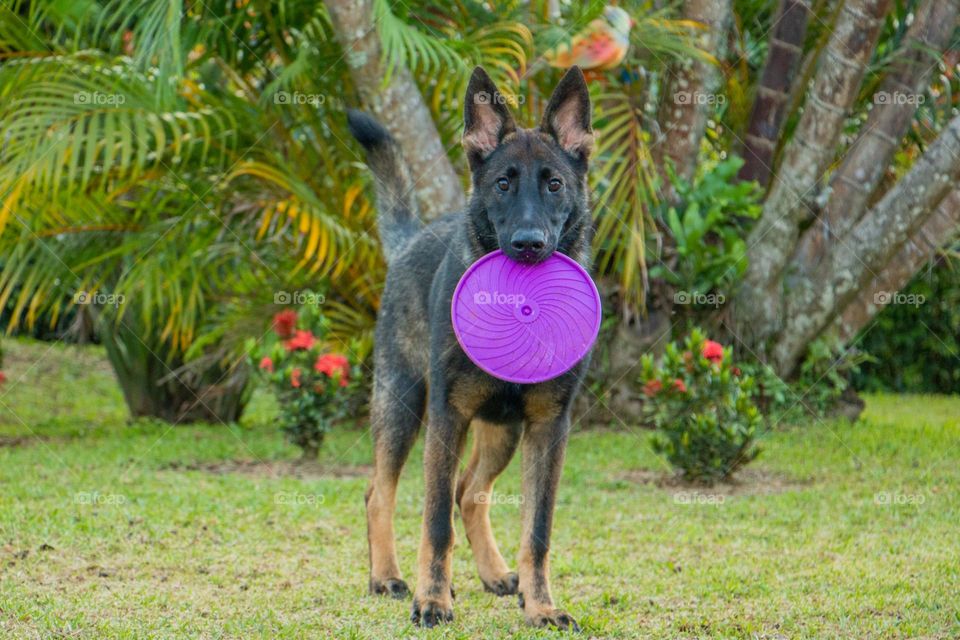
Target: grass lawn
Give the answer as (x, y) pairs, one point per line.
(109, 529)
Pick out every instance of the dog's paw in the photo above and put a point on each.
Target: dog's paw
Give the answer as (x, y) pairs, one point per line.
(553, 618)
(429, 613)
(505, 585)
(393, 587)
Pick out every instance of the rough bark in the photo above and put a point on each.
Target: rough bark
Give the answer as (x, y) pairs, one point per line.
(847, 267)
(772, 100)
(895, 103)
(399, 105)
(692, 89)
(840, 70)
(937, 232)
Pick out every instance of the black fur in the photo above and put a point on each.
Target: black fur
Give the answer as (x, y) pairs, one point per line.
(398, 220)
(515, 207)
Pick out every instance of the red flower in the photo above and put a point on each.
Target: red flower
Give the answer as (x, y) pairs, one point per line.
(3, 377)
(652, 388)
(285, 322)
(300, 340)
(266, 363)
(334, 365)
(679, 386)
(713, 351)
(295, 378)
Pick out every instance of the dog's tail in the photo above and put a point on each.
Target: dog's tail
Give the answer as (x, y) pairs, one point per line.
(397, 218)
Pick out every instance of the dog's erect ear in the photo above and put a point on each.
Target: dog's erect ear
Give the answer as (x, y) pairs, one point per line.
(567, 117)
(486, 119)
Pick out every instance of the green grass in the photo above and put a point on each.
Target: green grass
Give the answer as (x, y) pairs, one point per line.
(103, 535)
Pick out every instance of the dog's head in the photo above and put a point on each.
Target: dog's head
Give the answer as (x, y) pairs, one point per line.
(529, 185)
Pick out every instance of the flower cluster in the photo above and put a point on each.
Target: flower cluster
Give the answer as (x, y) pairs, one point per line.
(309, 382)
(702, 407)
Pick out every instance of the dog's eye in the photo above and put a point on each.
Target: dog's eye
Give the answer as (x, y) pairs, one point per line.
(503, 184)
(554, 185)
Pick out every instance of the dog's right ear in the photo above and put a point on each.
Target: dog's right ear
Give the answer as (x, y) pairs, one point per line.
(486, 119)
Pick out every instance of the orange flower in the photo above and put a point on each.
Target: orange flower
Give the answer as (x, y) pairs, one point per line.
(652, 388)
(713, 351)
(334, 365)
(295, 378)
(266, 363)
(285, 322)
(301, 340)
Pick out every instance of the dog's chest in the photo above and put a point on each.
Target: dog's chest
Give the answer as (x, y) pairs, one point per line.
(505, 404)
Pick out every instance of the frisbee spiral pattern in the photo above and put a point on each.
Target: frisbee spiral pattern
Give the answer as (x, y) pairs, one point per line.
(526, 323)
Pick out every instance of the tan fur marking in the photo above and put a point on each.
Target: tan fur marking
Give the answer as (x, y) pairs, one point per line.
(381, 502)
(468, 394)
(493, 446)
(542, 404)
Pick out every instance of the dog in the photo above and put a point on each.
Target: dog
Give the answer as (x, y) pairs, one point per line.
(529, 199)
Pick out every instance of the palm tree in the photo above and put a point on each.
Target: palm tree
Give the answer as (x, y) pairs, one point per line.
(153, 170)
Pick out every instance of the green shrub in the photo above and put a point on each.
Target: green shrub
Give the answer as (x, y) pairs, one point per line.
(916, 338)
(702, 407)
(312, 384)
(706, 254)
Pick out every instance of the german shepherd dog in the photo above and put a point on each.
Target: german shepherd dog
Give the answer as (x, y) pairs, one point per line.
(529, 199)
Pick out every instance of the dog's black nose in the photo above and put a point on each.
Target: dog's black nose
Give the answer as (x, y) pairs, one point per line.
(528, 241)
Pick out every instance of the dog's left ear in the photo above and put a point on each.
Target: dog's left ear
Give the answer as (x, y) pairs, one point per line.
(567, 117)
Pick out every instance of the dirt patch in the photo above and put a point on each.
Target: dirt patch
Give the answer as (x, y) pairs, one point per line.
(20, 441)
(747, 482)
(300, 469)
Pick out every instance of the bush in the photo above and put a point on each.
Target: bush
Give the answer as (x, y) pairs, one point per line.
(706, 254)
(916, 338)
(313, 386)
(702, 407)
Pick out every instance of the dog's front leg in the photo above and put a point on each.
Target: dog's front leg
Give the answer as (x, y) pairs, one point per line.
(544, 443)
(433, 602)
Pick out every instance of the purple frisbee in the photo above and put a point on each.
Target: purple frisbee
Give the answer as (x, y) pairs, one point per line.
(526, 323)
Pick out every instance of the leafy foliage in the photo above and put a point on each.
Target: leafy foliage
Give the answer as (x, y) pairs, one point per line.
(701, 404)
(915, 344)
(311, 384)
(826, 372)
(706, 226)
(189, 159)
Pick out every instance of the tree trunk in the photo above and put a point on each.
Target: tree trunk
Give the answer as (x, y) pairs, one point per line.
(690, 95)
(889, 120)
(771, 102)
(808, 155)
(871, 245)
(938, 231)
(399, 105)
